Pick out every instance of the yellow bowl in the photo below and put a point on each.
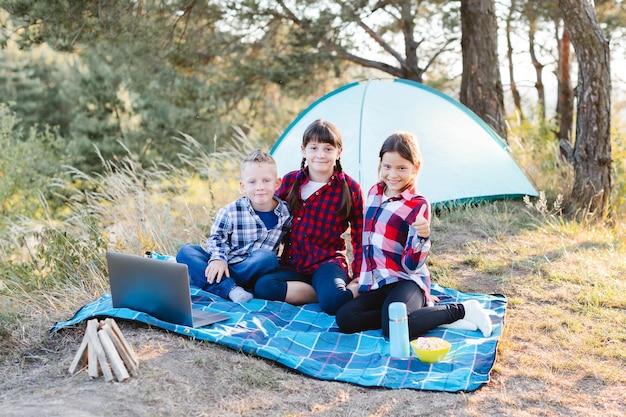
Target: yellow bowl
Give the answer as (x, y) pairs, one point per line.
(430, 349)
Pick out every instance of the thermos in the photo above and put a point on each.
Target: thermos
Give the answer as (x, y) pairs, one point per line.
(398, 331)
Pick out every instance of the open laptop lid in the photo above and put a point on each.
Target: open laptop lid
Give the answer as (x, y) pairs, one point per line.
(155, 287)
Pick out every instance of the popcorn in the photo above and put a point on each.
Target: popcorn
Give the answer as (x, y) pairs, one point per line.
(430, 343)
(430, 349)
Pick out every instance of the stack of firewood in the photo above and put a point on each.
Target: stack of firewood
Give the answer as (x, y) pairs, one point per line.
(105, 350)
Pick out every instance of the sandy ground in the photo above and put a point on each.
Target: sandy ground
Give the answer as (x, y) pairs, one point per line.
(184, 377)
(179, 376)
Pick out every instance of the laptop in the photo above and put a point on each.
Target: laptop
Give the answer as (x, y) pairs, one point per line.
(156, 287)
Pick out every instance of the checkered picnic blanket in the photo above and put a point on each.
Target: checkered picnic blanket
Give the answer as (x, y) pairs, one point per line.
(308, 340)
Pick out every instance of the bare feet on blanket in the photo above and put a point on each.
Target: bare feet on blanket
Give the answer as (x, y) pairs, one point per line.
(354, 287)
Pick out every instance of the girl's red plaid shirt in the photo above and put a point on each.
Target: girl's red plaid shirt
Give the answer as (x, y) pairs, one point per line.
(317, 229)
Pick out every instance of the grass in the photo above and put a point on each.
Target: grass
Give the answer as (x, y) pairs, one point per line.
(563, 351)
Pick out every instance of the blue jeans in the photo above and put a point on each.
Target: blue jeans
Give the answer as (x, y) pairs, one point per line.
(329, 282)
(244, 273)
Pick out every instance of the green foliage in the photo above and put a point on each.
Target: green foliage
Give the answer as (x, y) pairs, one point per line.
(318, 39)
(618, 150)
(67, 22)
(35, 86)
(140, 74)
(535, 148)
(64, 253)
(57, 259)
(27, 162)
(98, 113)
(613, 15)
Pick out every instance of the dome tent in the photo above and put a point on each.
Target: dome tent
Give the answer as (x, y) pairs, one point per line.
(464, 160)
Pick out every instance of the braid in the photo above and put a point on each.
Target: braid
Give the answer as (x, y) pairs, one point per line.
(346, 199)
(293, 197)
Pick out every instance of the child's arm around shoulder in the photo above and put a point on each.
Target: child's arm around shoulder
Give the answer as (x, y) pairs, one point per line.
(285, 216)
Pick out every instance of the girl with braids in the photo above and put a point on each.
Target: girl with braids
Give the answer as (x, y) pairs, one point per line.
(325, 203)
(396, 242)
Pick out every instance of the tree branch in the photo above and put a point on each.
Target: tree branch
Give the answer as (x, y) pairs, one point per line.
(381, 42)
(291, 15)
(370, 63)
(441, 50)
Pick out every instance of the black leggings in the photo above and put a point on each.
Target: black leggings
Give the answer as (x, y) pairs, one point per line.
(370, 310)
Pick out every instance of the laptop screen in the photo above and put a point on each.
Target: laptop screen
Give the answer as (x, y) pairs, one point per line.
(155, 287)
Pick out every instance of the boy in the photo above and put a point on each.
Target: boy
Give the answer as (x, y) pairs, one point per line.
(245, 235)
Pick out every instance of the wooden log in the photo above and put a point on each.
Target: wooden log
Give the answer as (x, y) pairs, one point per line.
(127, 347)
(125, 356)
(106, 351)
(81, 356)
(98, 351)
(113, 356)
(92, 359)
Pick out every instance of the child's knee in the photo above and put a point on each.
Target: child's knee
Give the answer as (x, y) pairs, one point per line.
(268, 260)
(270, 289)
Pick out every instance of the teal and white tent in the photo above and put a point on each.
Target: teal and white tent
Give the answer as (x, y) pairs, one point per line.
(464, 159)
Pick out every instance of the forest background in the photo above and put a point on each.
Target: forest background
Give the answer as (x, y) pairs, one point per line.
(122, 124)
(91, 81)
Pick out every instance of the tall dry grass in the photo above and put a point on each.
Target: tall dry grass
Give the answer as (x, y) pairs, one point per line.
(56, 263)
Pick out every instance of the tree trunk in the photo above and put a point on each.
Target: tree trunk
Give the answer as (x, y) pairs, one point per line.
(541, 92)
(481, 86)
(517, 99)
(565, 101)
(591, 191)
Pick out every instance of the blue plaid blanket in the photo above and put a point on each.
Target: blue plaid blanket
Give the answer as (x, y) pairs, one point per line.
(308, 340)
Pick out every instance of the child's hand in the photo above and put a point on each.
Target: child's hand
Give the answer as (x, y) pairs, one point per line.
(215, 270)
(353, 286)
(421, 223)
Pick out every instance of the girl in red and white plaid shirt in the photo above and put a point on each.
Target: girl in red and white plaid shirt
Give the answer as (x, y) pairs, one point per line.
(325, 203)
(396, 241)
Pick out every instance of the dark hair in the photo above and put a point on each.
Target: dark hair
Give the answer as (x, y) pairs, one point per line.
(405, 144)
(321, 131)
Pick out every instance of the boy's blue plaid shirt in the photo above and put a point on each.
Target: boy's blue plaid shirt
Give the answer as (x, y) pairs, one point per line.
(237, 231)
